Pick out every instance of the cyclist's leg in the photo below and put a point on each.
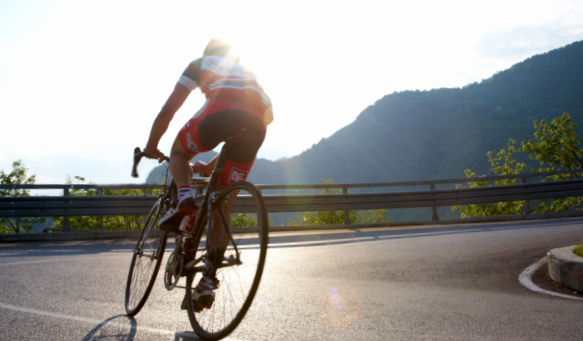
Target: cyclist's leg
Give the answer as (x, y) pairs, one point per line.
(232, 172)
(186, 146)
(239, 162)
(219, 241)
(180, 164)
(236, 168)
(219, 235)
(181, 173)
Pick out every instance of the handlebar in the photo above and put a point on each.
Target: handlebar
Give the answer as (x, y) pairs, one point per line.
(138, 155)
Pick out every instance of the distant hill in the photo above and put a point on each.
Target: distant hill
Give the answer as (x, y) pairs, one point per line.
(437, 134)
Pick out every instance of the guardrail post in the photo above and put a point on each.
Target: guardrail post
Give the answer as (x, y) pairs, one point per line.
(346, 213)
(101, 194)
(66, 223)
(527, 209)
(434, 215)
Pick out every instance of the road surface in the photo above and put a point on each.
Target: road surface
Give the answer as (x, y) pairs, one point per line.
(421, 283)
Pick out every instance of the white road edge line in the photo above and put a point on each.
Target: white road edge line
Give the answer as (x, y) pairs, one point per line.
(525, 279)
(58, 260)
(89, 320)
(75, 318)
(83, 319)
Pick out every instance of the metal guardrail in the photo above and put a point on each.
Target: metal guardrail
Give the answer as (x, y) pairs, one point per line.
(425, 182)
(66, 205)
(145, 187)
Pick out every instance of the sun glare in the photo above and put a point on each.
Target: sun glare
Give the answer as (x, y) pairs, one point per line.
(97, 73)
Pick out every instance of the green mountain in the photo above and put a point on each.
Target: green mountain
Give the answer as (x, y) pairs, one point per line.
(437, 134)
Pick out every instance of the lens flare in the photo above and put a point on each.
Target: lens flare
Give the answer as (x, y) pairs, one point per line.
(342, 307)
(341, 267)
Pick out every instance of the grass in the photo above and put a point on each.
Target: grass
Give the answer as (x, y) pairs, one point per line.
(579, 249)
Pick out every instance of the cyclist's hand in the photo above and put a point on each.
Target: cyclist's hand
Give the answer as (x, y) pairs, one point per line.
(201, 168)
(154, 153)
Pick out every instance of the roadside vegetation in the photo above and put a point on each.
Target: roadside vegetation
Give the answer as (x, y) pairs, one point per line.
(337, 217)
(578, 250)
(246, 220)
(556, 145)
(18, 176)
(110, 223)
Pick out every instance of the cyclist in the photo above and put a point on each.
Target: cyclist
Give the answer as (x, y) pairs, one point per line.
(233, 98)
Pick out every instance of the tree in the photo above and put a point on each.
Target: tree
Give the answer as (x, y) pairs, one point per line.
(5, 229)
(337, 217)
(18, 176)
(557, 146)
(246, 220)
(370, 216)
(502, 164)
(243, 220)
(126, 222)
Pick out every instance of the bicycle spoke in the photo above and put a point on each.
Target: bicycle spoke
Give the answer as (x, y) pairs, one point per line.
(232, 301)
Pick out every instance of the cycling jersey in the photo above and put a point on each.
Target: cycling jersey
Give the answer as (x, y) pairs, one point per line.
(234, 98)
(224, 79)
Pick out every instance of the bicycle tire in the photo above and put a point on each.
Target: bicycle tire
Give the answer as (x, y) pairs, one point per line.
(247, 276)
(147, 255)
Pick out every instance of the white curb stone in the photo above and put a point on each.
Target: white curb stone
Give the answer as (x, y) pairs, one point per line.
(566, 267)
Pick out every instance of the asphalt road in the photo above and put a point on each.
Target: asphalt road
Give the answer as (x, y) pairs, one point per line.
(438, 283)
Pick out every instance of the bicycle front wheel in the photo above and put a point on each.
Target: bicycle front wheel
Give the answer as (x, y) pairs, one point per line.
(238, 280)
(145, 262)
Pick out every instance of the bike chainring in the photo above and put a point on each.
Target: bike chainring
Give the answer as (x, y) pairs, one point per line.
(173, 271)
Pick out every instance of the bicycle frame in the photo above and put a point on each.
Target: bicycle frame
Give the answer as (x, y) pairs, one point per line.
(189, 258)
(210, 198)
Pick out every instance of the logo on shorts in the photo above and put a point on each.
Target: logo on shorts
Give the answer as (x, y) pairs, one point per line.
(237, 175)
(191, 143)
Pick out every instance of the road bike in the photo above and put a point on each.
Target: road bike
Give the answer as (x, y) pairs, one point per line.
(240, 270)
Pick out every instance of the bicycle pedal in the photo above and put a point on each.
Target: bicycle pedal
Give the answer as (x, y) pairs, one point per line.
(205, 302)
(196, 309)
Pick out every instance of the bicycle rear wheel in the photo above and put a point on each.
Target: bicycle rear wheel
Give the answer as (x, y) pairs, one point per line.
(145, 262)
(238, 283)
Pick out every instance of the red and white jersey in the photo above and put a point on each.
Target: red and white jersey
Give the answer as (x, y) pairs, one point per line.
(223, 79)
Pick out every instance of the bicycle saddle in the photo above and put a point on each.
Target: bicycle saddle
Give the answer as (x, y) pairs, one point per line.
(233, 134)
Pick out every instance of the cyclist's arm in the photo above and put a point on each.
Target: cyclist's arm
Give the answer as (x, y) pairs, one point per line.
(164, 118)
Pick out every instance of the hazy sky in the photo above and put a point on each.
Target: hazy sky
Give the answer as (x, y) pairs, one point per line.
(82, 81)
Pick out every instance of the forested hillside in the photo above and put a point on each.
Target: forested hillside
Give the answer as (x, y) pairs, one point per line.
(437, 134)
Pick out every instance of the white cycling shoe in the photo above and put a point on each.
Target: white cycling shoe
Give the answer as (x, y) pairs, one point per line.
(204, 293)
(171, 220)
